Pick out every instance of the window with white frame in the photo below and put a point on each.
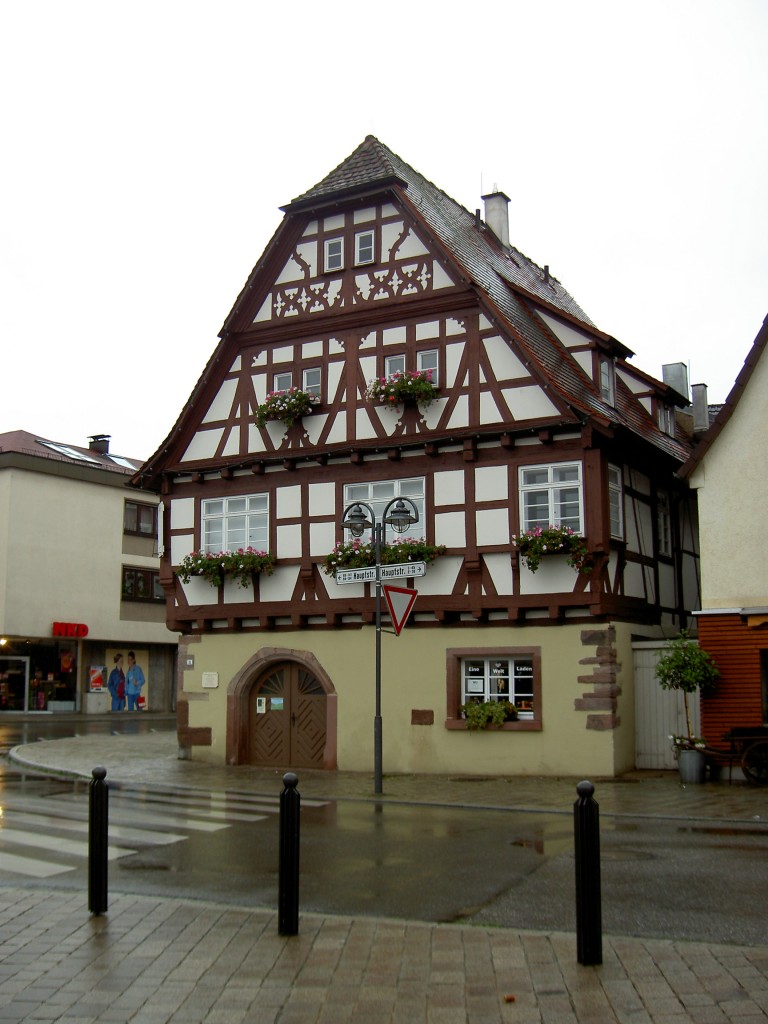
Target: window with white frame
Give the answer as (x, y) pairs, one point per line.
(664, 520)
(379, 494)
(616, 502)
(608, 380)
(394, 364)
(498, 678)
(427, 360)
(232, 523)
(363, 247)
(311, 381)
(334, 254)
(282, 381)
(551, 495)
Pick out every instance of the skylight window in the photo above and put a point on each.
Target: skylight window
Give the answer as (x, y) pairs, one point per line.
(68, 452)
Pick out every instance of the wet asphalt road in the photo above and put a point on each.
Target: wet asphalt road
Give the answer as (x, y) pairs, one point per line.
(664, 878)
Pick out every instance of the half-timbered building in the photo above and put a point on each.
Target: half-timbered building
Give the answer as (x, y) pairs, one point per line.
(535, 419)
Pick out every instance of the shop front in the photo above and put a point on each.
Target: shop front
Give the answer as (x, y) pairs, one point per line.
(38, 674)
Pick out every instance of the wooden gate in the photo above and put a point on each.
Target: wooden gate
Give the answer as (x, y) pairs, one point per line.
(659, 713)
(287, 718)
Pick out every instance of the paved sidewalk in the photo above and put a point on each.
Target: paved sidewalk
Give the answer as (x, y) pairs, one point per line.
(152, 961)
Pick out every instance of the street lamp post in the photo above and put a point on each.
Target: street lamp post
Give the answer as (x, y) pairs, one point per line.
(400, 513)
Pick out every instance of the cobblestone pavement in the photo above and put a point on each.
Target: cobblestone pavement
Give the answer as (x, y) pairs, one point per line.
(151, 961)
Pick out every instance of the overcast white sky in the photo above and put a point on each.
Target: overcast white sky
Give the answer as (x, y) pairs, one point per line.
(147, 149)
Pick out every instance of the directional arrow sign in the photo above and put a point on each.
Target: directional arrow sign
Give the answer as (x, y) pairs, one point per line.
(399, 601)
(400, 571)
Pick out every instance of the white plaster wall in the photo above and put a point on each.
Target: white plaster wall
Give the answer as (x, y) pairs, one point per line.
(732, 484)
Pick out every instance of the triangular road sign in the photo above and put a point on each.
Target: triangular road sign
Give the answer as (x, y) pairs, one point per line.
(399, 601)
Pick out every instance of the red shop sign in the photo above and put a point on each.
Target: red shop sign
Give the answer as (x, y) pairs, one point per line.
(70, 629)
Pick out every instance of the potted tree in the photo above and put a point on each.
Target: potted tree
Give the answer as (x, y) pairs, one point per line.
(685, 667)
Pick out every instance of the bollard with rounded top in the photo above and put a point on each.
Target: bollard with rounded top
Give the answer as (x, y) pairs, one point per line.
(288, 895)
(98, 828)
(589, 927)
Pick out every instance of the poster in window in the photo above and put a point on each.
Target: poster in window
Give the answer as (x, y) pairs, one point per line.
(97, 678)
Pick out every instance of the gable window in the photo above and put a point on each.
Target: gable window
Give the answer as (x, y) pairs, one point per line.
(141, 585)
(379, 494)
(551, 495)
(363, 247)
(608, 380)
(495, 674)
(664, 521)
(394, 364)
(616, 502)
(140, 518)
(334, 254)
(427, 360)
(311, 380)
(283, 381)
(232, 523)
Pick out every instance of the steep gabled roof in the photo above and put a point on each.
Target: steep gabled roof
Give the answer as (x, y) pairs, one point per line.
(727, 410)
(511, 287)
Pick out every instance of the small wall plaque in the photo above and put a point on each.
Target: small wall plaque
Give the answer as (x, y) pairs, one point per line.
(210, 680)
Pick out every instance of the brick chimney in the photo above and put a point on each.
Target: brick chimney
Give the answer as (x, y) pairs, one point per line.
(497, 214)
(99, 443)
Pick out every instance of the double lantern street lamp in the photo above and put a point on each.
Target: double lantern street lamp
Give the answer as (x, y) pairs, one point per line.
(400, 513)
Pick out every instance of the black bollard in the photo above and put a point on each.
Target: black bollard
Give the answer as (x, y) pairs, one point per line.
(288, 896)
(589, 926)
(98, 825)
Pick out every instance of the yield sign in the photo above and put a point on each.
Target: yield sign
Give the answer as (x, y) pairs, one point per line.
(399, 601)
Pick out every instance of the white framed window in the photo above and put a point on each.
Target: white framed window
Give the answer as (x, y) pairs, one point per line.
(664, 520)
(379, 494)
(232, 523)
(282, 381)
(551, 495)
(608, 380)
(394, 364)
(363, 247)
(334, 254)
(616, 501)
(499, 678)
(311, 381)
(427, 360)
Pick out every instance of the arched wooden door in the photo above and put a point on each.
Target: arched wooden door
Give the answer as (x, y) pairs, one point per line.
(287, 718)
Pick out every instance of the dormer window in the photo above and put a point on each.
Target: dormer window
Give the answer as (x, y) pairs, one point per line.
(363, 247)
(334, 254)
(607, 380)
(667, 419)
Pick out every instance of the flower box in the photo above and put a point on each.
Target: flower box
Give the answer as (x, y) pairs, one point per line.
(359, 554)
(286, 406)
(240, 565)
(534, 544)
(402, 387)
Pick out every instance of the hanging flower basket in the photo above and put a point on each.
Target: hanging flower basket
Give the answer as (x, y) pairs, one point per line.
(240, 565)
(359, 554)
(402, 387)
(288, 406)
(534, 544)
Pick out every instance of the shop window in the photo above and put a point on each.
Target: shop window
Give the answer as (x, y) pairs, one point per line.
(141, 585)
(510, 674)
(139, 518)
(232, 523)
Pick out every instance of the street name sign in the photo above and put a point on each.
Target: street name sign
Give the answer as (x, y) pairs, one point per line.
(400, 571)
